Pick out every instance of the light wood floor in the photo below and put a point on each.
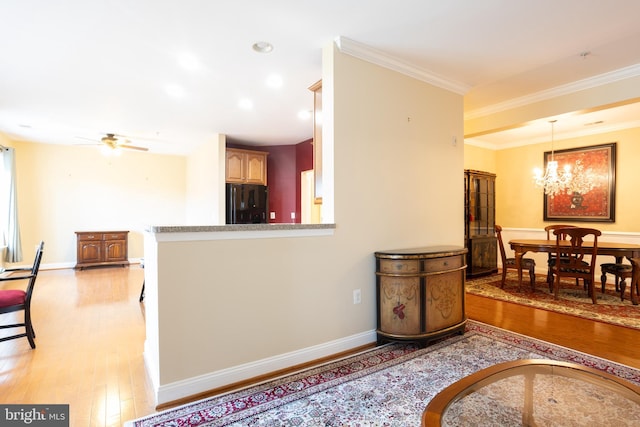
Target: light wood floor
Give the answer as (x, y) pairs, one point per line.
(90, 334)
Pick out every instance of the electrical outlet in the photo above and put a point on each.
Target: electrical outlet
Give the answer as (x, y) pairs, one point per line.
(357, 296)
(293, 215)
(272, 215)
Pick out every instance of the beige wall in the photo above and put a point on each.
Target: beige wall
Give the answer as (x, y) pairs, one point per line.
(397, 184)
(520, 205)
(64, 188)
(478, 158)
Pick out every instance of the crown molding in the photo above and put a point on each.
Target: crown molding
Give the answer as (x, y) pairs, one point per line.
(599, 80)
(369, 54)
(600, 130)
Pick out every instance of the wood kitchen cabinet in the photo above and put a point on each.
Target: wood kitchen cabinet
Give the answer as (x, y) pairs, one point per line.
(420, 293)
(102, 248)
(316, 88)
(246, 166)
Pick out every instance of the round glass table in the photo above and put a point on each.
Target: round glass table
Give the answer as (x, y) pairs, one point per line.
(533, 392)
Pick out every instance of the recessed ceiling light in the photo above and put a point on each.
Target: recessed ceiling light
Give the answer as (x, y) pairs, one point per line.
(245, 104)
(262, 47)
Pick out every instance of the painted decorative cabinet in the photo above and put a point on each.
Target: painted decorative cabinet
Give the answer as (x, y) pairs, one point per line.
(102, 248)
(479, 223)
(420, 293)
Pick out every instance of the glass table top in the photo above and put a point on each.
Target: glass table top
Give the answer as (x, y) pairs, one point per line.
(536, 392)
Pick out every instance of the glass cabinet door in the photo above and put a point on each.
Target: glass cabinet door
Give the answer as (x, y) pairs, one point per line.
(480, 222)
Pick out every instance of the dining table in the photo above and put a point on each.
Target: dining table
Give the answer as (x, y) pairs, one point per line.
(617, 250)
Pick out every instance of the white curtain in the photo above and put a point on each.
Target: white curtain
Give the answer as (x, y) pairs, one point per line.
(14, 245)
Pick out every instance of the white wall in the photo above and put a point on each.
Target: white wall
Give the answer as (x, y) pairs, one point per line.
(205, 183)
(215, 307)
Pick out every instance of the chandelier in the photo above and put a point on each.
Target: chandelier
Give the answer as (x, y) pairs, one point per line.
(554, 182)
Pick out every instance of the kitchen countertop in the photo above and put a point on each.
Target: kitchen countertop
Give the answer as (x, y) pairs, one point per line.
(236, 227)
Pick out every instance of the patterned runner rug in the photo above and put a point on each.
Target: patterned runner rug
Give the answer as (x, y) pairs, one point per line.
(386, 386)
(572, 299)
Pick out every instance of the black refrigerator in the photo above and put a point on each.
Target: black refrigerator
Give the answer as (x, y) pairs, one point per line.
(246, 204)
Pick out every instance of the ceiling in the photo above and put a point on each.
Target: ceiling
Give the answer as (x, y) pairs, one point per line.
(170, 74)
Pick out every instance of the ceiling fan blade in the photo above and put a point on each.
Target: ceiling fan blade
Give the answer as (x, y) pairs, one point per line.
(133, 147)
(95, 141)
(113, 141)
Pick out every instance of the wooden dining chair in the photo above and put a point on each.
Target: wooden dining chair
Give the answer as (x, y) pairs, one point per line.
(14, 300)
(635, 282)
(620, 271)
(574, 258)
(551, 256)
(510, 263)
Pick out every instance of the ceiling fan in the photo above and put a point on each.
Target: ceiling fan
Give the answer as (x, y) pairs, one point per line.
(116, 142)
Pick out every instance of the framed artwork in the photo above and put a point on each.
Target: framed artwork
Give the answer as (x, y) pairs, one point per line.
(597, 203)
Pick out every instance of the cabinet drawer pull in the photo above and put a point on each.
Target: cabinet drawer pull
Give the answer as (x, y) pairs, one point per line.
(91, 236)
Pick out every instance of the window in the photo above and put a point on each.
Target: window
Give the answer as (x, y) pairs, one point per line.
(4, 199)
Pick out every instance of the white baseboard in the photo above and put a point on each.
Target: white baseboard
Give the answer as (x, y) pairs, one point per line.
(71, 265)
(200, 384)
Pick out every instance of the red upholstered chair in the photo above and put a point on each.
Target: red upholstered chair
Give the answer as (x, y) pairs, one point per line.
(510, 263)
(576, 259)
(12, 300)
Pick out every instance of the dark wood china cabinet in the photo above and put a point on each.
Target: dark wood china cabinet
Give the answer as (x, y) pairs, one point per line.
(480, 219)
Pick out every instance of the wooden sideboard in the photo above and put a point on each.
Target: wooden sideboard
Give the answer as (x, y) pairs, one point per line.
(102, 248)
(420, 293)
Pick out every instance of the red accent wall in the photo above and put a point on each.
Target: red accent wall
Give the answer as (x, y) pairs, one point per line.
(284, 165)
(281, 178)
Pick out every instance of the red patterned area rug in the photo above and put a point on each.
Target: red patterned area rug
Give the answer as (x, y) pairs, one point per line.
(572, 299)
(387, 386)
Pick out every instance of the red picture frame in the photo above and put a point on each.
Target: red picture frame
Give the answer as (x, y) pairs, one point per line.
(598, 204)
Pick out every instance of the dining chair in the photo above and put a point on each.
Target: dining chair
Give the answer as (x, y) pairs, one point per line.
(635, 279)
(575, 257)
(14, 300)
(143, 282)
(510, 263)
(551, 258)
(620, 271)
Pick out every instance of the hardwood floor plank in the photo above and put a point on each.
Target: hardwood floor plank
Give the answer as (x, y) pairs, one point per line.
(90, 336)
(611, 342)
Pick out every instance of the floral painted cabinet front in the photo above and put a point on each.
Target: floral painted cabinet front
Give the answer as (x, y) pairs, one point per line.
(420, 293)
